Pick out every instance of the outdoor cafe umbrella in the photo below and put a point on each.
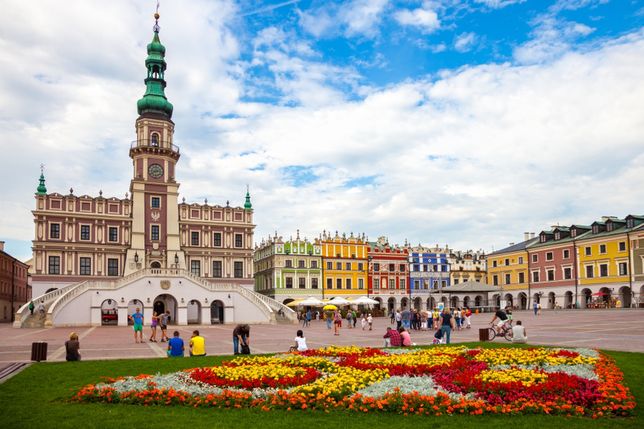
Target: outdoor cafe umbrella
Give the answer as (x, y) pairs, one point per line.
(329, 307)
(294, 303)
(363, 300)
(339, 301)
(311, 302)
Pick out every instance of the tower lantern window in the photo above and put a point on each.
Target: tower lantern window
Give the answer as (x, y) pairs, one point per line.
(154, 139)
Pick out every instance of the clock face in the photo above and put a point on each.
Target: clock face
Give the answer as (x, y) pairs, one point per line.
(155, 171)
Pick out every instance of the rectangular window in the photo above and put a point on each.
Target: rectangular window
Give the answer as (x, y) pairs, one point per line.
(622, 246)
(566, 254)
(494, 264)
(216, 269)
(329, 265)
(456, 280)
(348, 283)
(84, 233)
(239, 240)
(535, 276)
(301, 264)
(348, 266)
(113, 234)
(521, 278)
(602, 248)
(54, 265)
(507, 279)
(551, 275)
(548, 256)
(392, 267)
(376, 266)
(535, 258)
(194, 238)
(376, 283)
(603, 270)
(54, 230)
(360, 283)
(314, 264)
(416, 268)
(587, 251)
(314, 283)
(289, 283)
(402, 268)
(338, 265)
(85, 266)
(302, 283)
(507, 262)
(195, 268)
(338, 283)
(155, 202)
(329, 283)
(216, 239)
(567, 272)
(444, 283)
(521, 259)
(435, 268)
(403, 284)
(288, 263)
(112, 267)
(392, 283)
(623, 269)
(360, 266)
(495, 280)
(154, 232)
(589, 272)
(238, 270)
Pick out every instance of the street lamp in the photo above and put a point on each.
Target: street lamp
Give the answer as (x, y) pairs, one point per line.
(136, 257)
(176, 260)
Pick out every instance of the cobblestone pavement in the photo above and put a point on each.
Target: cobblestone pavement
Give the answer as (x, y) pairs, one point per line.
(606, 329)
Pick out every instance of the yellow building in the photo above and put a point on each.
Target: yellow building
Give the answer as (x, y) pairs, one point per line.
(344, 265)
(603, 255)
(508, 268)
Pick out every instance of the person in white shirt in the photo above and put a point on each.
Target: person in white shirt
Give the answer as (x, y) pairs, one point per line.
(300, 342)
(519, 334)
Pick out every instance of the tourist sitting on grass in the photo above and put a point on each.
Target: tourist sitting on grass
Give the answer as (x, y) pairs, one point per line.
(300, 342)
(71, 348)
(197, 344)
(519, 334)
(392, 338)
(406, 338)
(175, 346)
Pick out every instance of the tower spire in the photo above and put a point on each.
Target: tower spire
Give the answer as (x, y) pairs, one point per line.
(42, 189)
(247, 204)
(154, 99)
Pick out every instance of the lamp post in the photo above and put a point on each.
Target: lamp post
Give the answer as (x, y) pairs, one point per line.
(176, 261)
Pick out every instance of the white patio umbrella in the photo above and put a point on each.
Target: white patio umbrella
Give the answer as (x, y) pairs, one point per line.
(311, 302)
(339, 301)
(363, 300)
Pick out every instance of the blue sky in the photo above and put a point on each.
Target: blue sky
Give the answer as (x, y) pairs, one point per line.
(441, 122)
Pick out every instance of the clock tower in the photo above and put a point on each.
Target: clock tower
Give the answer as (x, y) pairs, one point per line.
(155, 216)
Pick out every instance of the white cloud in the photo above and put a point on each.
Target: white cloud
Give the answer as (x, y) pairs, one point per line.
(424, 18)
(498, 4)
(353, 18)
(465, 41)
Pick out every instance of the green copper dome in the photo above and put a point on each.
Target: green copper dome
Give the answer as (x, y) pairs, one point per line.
(42, 189)
(154, 99)
(247, 204)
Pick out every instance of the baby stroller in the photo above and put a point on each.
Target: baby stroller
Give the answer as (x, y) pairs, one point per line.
(438, 337)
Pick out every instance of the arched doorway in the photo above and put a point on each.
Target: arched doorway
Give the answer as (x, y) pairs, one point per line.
(625, 296)
(391, 304)
(194, 312)
(552, 300)
(379, 305)
(109, 312)
(155, 264)
(568, 299)
(431, 303)
(586, 297)
(496, 299)
(454, 302)
(131, 309)
(467, 302)
(536, 298)
(523, 301)
(404, 303)
(418, 303)
(164, 303)
(216, 312)
(605, 295)
(508, 300)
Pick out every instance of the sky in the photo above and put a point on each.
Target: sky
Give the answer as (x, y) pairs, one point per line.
(458, 122)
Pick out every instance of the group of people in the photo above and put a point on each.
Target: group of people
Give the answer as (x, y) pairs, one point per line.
(335, 318)
(421, 320)
(157, 320)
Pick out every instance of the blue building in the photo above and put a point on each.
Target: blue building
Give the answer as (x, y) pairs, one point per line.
(429, 273)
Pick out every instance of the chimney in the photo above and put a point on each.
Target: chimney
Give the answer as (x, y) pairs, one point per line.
(2, 246)
(532, 235)
(526, 236)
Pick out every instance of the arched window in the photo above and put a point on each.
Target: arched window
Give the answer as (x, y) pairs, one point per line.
(154, 140)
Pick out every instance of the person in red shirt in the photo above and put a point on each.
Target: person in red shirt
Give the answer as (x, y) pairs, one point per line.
(392, 338)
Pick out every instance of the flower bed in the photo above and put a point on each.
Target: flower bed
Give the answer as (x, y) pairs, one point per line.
(432, 381)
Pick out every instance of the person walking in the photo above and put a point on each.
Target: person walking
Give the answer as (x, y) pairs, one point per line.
(31, 308)
(370, 321)
(241, 335)
(363, 322)
(406, 318)
(446, 322)
(71, 348)
(153, 327)
(398, 319)
(308, 317)
(337, 322)
(535, 307)
(176, 346)
(197, 344)
(355, 318)
(349, 319)
(163, 322)
(137, 321)
(328, 318)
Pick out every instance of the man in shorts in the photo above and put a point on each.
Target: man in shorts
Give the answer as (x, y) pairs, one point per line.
(137, 319)
(163, 321)
(502, 319)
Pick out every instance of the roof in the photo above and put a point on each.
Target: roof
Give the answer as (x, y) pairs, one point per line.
(471, 286)
(516, 247)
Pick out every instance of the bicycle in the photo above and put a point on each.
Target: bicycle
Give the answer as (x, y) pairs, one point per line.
(505, 331)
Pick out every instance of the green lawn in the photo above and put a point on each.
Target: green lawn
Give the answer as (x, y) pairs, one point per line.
(38, 397)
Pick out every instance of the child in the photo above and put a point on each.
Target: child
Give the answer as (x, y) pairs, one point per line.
(363, 322)
(438, 337)
(300, 342)
(370, 321)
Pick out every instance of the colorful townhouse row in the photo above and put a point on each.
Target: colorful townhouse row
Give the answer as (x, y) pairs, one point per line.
(351, 266)
(576, 266)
